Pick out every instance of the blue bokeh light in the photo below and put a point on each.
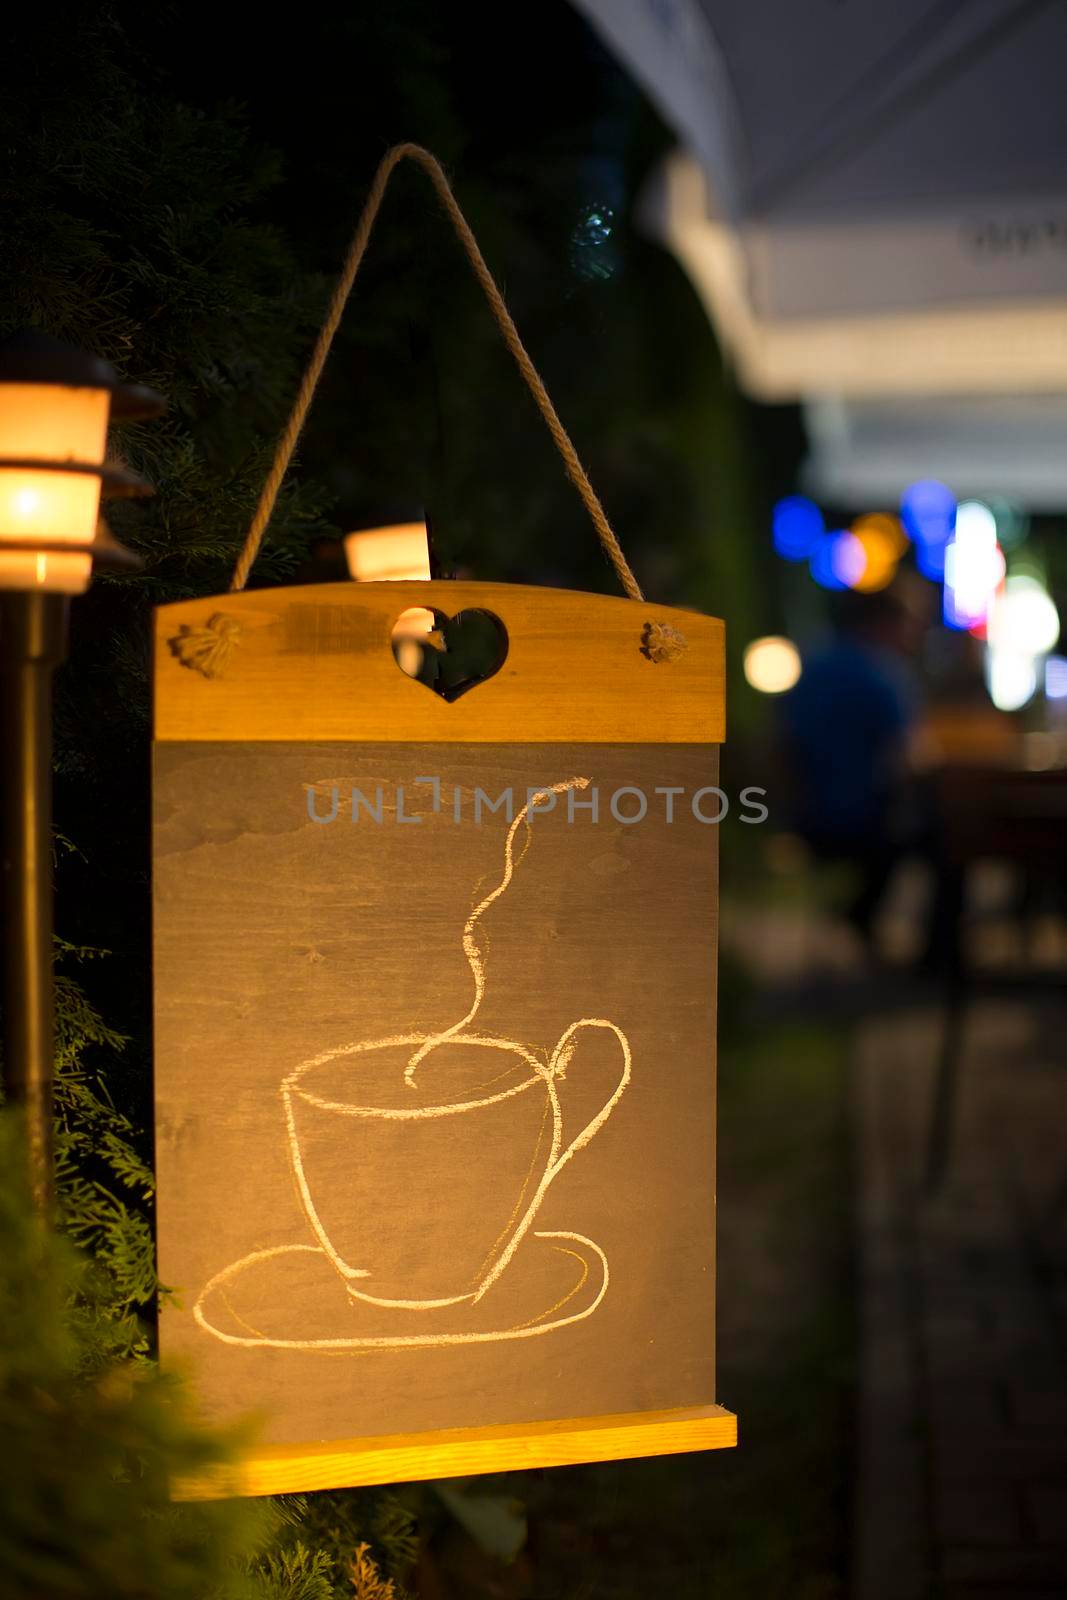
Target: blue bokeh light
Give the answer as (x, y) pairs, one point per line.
(1056, 677)
(951, 616)
(930, 560)
(825, 563)
(797, 525)
(928, 512)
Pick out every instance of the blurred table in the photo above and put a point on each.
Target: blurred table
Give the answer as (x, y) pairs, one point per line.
(1002, 810)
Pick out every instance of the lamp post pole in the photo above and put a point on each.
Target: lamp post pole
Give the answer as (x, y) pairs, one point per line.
(55, 407)
(32, 643)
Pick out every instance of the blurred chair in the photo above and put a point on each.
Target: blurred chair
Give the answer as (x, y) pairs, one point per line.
(1002, 814)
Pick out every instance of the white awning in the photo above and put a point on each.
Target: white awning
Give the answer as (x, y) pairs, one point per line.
(872, 199)
(988, 447)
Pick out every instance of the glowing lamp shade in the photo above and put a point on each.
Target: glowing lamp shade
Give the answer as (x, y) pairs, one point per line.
(397, 553)
(49, 423)
(772, 665)
(56, 404)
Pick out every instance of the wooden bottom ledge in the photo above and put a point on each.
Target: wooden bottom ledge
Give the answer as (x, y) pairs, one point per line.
(461, 1452)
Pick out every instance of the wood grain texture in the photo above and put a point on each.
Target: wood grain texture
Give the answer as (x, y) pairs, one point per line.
(404, 1458)
(290, 923)
(283, 942)
(315, 662)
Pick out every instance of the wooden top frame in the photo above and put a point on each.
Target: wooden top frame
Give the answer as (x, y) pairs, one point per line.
(314, 662)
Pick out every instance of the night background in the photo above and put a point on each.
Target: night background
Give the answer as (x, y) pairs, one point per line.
(178, 186)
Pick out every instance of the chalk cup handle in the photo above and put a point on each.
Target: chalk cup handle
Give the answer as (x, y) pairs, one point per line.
(557, 1066)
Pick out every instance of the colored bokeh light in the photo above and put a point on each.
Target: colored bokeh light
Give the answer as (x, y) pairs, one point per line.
(797, 526)
(1013, 525)
(974, 567)
(772, 665)
(883, 542)
(822, 564)
(1024, 618)
(1023, 626)
(1056, 677)
(930, 560)
(1011, 679)
(928, 512)
(847, 559)
(888, 528)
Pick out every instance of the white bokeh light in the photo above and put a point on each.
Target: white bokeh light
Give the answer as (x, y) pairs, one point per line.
(1024, 619)
(772, 665)
(974, 566)
(1011, 677)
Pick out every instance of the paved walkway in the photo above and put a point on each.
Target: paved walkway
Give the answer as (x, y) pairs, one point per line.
(961, 1490)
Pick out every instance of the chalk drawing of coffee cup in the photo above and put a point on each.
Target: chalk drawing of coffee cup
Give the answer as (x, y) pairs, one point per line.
(459, 1135)
(419, 1205)
(421, 1161)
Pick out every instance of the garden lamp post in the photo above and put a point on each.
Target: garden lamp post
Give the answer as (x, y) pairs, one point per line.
(55, 406)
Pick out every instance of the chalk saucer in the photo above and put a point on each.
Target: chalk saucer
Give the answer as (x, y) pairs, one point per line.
(289, 1297)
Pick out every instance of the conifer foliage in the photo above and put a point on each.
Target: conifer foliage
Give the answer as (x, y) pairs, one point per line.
(131, 228)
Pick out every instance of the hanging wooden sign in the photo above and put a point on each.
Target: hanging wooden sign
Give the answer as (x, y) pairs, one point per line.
(435, 1027)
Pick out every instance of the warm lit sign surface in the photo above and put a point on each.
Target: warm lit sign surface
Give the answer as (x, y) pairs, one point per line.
(435, 1029)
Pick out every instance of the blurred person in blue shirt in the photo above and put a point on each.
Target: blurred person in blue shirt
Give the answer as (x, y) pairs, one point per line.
(849, 728)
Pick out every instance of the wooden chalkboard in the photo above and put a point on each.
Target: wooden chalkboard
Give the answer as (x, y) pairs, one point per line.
(435, 1002)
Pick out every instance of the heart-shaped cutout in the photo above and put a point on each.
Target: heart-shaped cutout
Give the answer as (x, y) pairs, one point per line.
(450, 655)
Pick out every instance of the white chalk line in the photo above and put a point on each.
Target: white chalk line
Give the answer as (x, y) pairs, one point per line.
(547, 1072)
(390, 1341)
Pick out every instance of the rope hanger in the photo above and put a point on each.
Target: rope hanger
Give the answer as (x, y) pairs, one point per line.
(207, 649)
(306, 393)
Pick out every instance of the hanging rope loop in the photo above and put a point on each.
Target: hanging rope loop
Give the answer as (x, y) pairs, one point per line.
(306, 393)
